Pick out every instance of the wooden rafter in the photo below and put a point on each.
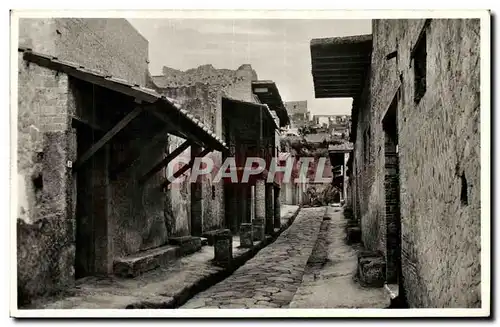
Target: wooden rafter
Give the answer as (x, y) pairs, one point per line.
(185, 168)
(107, 137)
(156, 168)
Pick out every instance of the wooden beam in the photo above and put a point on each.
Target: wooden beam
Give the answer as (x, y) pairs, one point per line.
(156, 168)
(185, 168)
(130, 160)
(358, 63)
(107, 137)
(161, 116)
(84, 122)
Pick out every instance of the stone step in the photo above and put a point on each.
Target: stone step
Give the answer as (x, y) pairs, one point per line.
(138, 263)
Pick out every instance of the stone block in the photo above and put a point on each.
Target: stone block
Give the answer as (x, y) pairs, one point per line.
(353, 235)
(258, 229)
(138, 263)
(246, 235)
(371, 269)
(187, 244)
(223, 248)
(210, 236)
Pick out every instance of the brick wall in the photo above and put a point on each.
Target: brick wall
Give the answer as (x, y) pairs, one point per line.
(111, 45)
(438, 141)
(45, 221)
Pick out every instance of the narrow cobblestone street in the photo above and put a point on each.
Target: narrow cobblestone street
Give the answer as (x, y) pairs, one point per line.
(271, 278)
(329, 277)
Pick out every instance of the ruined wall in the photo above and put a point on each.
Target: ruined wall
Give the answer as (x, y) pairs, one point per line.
(110, 45)
(45, 220)
(236, 84)
(438, 157)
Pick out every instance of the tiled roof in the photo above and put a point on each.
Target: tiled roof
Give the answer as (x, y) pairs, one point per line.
(192, 125)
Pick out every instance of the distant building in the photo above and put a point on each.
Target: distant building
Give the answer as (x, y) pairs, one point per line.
(297, 110)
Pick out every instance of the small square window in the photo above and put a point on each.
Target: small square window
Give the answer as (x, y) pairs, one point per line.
(420, 67)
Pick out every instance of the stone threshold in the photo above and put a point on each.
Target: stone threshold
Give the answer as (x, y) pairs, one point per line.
(205, 281)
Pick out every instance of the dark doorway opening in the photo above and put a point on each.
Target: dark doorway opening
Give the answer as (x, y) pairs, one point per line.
(392, 198)
(91, 208)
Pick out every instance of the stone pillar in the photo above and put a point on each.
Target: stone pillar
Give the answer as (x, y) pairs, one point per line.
(223, 247)
(269, 199)
(260, 203)
(258, 229)
(277, 208)
(246, 235)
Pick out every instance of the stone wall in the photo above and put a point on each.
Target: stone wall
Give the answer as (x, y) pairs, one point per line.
(45, 220)
(110, 45)
(439, 158)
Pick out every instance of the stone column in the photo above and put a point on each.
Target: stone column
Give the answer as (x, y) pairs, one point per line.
(269, 199)
(277, 208)
(246, 235)
(223, 247)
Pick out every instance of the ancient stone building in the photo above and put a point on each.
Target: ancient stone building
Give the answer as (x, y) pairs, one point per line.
(91, 155)
(416, 164)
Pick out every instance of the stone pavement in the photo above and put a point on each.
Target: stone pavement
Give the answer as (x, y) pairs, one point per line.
(164, 287)
(271, 278)
(328, 281)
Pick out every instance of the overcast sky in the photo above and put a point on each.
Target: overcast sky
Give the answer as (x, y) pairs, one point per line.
(277, 49)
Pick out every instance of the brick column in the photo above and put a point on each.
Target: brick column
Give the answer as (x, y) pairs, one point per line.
(260, 203)
(196, 199)
(269, 199)
(277, 208)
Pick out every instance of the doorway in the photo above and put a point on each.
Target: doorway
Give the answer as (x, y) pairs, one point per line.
(91, 208)
(392, 199)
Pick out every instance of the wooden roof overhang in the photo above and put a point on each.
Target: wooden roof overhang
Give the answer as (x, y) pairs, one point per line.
(339, 65)
(179, 121)
(267, 93)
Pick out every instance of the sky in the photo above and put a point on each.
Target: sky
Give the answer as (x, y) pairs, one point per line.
(277, 49)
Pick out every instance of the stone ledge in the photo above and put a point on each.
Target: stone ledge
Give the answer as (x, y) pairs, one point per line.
(138, 263)
(187, 244)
